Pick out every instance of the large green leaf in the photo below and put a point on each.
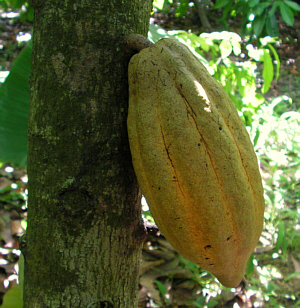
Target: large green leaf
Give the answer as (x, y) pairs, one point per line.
(12, 298)
(286, 14)
(268, 71)
(293, 5)
(14, 105)
(259, 23)
(272, 26)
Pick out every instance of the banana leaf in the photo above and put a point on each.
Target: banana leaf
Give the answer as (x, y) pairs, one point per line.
(14, 106)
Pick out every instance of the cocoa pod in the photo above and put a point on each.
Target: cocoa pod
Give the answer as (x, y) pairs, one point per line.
(194, 160)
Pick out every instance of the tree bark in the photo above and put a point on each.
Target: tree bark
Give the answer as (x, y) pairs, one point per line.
(84, 233)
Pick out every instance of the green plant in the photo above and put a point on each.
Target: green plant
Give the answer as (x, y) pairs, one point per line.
(259, 16)
(14, 103)
(26, 10)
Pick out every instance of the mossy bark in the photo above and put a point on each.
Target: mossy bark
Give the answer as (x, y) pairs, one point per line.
(84, 232)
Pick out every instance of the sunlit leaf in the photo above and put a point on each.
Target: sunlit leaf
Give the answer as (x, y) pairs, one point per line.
(256, 54)
(268, 71)
(257, 134)
(159, 4)
(275, 54)
(236, 47)
(156, 33)
(225, 48)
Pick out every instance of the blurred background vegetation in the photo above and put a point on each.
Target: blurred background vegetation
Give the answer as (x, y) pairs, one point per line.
(252, 48)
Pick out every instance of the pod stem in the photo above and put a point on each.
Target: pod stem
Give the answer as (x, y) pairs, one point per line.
(136, 42)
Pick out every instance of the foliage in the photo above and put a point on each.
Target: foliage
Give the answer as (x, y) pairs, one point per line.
(18, 5)
(14, 102)
(12, 298)
(259, 16)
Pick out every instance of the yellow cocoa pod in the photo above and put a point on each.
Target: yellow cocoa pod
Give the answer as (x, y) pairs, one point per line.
(194, 160)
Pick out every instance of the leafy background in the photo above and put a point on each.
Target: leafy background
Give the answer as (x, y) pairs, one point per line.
(251, 48)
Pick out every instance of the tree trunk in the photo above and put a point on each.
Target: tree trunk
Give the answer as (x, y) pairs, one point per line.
(84, 234)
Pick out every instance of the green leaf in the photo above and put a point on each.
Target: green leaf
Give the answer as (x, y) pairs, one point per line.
(280, 235)
(212, 303)
(272, 26)
(14, 104)
(236, 46)
(159, 4)
(21, 275)
(275, 54)
(257, 134)
(286, 13)
(268, 71)
(250, 267)
(200, 302)
(17, 3)
(293, 5)
(256, 54)
(4, 5)
(267, 40)
(12, 298)
(182, 9)
(221, 3)
(225, 48)
(284, 245)
(30, 13)
(226, 11)
(261, 8)
(274, 8)
(162, 288)
(258, 24)
(253, 3)
(156, 33)
(291, 276)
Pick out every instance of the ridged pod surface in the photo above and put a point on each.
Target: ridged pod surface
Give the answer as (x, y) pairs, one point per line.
(194, 160)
